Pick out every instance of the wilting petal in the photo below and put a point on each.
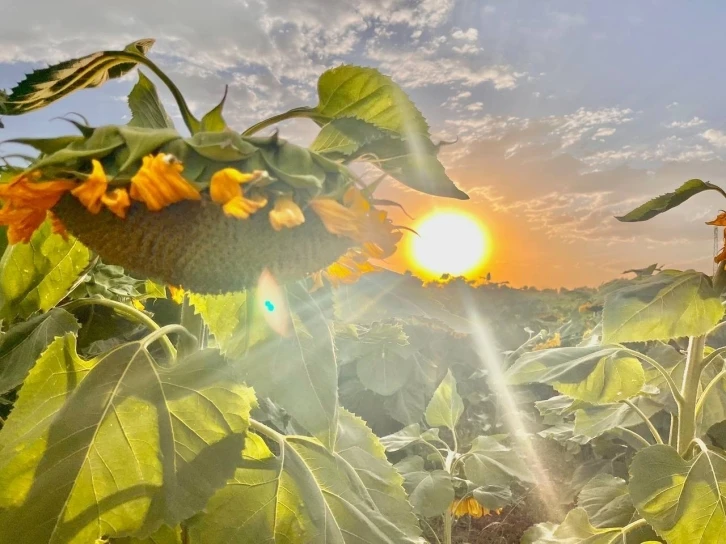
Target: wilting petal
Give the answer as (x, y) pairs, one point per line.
(286, 214)
(91, 191)
(117, 201)
(159, 183)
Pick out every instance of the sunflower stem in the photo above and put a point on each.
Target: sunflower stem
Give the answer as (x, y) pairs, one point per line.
(190, 121)
(129, 312)
(689, 392)
(305, 112)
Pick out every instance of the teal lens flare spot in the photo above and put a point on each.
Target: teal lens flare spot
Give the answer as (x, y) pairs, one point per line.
(269, 306)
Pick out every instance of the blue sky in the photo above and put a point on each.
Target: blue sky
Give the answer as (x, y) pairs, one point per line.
(567, 112)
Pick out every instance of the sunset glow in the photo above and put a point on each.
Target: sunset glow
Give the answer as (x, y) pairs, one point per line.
(449, 242)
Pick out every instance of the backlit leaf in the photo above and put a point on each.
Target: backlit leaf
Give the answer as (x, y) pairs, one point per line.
(117, 445)
(213, 120)
(607, 501)
(684, 501)
(595, 374)
(430, 493)
(446, 406)
(298, 370)
(47, 85)
(308, 493)
(489, 462)
(671, 304)
(405, 437)
(668, 201)
(146, 108)
(575, 529)
(37, 275)
(362, 113)
(21, 346)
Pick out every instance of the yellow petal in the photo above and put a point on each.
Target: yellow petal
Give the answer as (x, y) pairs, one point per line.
(57, 226)
(241, 207)
(177, 294)
(117, 201)
(159, 183)
(90, 192)
(138, 305)
(337, 218)
(286, 214)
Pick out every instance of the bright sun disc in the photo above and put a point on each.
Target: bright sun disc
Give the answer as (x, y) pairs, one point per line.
(449, 243)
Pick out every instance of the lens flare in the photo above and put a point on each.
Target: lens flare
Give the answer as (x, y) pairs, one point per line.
(271, 303)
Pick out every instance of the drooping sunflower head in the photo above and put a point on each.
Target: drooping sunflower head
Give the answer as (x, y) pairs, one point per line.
(210, 235)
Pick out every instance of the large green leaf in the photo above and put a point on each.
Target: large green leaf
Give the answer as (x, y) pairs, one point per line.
(594, 421)
(575, 529)
(607, 501)
(446, 406)
(402, 439)
(21, 346)
(668, 201)
(385, 371)
(595, 374)
(430, 492)
(47, 85)
(165, 535)
(671, 304)
(225, 315)
(117, 445)
(489, 462)
(308, 494)
(145, 105)
(297, 370)
(684, 501)
(363, 112)
(37, 275)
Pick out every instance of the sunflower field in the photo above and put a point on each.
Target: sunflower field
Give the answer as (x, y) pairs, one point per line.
(197, 346)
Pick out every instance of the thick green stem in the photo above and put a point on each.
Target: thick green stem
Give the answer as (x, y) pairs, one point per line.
(190, 121)
(673, 434)
(128, 312)
(447, 527)
(192, 322)
(689, 392)
(713, 383)
(305, 112)
(635, 436)
(651, 427)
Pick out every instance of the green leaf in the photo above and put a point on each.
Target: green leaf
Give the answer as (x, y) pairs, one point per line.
(48, 146)
(385, 371)
(311, 494)
(430, 493)
(165, 535)
(594, 421)
(575, 529)
(668, 201)
(110, 282)
(595, 374)
(364, 112)
(607, 501)
(21, 346)
(117, 445)
(225, 316)
(671, 304)
(297, 371)
(47, 85)
(489, 462)
(446, 406)
(146, 108)
(36, 276)
(213, 120)
(493, 497)
(402, 439)
(684, 501)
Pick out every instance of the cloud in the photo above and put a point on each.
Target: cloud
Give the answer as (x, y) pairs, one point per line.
(717, 138)
(574, 126)
(603, 133)
(470, 35)
(695, 122)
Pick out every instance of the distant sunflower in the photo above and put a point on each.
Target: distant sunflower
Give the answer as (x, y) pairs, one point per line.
(469, 507)
(213, 239)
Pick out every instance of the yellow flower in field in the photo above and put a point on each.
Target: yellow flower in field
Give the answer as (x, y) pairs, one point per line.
(159, 183)
(26, 203)
(91, 191)
(470, 507)
(286, 214)
(117, 201)
(553, 342)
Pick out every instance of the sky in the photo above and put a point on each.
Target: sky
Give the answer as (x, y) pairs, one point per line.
(565, 113)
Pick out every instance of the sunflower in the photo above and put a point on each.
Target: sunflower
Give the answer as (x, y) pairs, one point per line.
(469, 507)
(211, 240)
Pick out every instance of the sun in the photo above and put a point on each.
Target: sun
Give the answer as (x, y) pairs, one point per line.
(449, 242)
